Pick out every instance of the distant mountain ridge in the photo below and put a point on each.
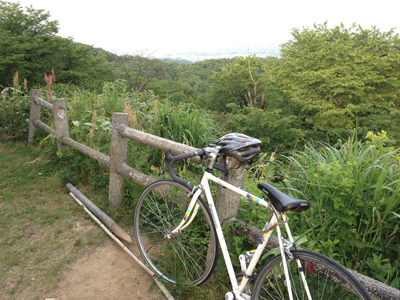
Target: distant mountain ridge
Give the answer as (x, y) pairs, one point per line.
(259, 50)
(178, 60)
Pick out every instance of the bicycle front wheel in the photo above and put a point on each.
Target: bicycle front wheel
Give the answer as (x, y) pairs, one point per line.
(326, 279)
(186, 256)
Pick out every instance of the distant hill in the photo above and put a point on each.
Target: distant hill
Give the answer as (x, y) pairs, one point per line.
(178, 60)
(260, 50)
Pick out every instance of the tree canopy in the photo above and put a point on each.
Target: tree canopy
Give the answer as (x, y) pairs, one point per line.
(28, 44)
(245, 80)
(341, 78)
(29, 22)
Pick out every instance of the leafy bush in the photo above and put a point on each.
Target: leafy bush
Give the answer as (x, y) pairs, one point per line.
(354, 190)
(270, 126)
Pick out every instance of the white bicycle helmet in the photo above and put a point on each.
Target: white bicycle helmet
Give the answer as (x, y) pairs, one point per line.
(240, 146)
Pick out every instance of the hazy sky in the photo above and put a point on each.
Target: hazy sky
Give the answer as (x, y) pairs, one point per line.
(177, 26)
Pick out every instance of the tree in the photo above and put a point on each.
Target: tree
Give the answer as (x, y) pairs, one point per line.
(141, 68)
(245, 80)
(31, 22)
(342, 78)
(271, 126)
(28, 45)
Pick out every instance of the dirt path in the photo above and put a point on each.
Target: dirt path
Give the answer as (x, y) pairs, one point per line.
(105, 273)
(108, 272)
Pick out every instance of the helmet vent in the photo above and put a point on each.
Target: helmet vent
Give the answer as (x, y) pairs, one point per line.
(240, 146)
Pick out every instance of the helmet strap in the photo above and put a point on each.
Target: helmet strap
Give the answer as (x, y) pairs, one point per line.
(226, 172)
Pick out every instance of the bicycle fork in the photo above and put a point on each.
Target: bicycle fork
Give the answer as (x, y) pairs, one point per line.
(190, 211)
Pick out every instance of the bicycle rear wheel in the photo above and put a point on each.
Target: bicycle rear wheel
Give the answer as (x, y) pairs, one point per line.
(189, 255)
(326, 279)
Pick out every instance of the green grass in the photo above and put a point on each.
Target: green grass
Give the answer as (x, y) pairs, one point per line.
(354, 190)
(36, 218)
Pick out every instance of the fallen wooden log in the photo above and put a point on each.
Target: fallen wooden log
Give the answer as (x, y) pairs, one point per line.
(160, 285)
(99, 213)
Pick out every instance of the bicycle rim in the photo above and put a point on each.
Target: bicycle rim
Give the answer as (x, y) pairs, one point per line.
(326, 279)
(188, 256)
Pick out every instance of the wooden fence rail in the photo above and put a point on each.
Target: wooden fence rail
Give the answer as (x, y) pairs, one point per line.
(226, 205)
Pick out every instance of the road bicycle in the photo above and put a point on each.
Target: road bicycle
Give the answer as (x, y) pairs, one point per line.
(178, 233)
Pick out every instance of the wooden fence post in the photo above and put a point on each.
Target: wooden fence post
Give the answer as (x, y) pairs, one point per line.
(34, 113)
(227, 203)
(60, 121)
(119, 146)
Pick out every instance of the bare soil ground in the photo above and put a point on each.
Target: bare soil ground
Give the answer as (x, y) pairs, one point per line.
(103, 272)
(106, 272)
(49, 247)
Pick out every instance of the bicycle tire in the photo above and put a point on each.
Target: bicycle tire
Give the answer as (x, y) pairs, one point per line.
(326, 279)
(188, 256)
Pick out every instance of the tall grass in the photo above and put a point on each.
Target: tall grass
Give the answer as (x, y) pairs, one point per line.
(89, 115)
(14, 114)
(354, 190)
(186, 123)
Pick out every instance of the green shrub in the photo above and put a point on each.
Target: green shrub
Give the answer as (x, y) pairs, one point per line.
(354, 190)
(270, 126)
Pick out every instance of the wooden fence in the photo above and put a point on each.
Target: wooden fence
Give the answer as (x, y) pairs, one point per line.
(227, 204)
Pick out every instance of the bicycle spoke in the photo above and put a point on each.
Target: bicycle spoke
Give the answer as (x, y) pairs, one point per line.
(189, 257)
(325, 279)
(188, 254)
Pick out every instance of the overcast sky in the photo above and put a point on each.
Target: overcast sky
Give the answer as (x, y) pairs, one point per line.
(177, 26)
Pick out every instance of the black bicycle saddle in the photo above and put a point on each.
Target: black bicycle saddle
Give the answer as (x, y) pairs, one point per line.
(281, 201)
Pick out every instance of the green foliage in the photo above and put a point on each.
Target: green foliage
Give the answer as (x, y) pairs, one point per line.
(14, 114)
(339, 79)
(187, 124)
(272, 127)
(354, 190)
(28, 45)
(244, 80)
(175, 91)
(77, 168)
(32, 56)
(140, 69)
(31, 22)
(187, 83)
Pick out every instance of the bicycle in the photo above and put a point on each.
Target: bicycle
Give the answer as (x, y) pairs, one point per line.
(178, 238)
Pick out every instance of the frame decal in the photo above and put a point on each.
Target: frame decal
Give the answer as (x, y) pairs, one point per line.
(254, 198)
(187, 214)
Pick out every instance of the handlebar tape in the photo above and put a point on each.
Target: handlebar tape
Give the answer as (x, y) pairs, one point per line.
(172, 160)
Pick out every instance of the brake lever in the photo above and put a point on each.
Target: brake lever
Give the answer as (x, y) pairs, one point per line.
(206, 153)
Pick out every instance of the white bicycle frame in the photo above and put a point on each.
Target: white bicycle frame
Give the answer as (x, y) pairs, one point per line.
(239, 288)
